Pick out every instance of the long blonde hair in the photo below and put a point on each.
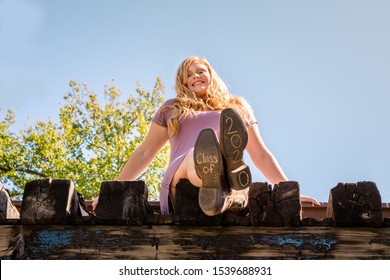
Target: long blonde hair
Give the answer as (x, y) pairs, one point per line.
(218, 96)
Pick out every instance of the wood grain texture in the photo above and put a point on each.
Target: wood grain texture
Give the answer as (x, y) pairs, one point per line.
(198, 243)
(50, 201)
(187, 210)
(7, 210)
(124, 202)
(278, 206)
(355, 204)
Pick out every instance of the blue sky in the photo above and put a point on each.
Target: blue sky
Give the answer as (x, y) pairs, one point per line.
(315, 72)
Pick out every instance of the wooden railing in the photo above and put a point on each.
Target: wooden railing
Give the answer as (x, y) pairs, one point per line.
(49, 224)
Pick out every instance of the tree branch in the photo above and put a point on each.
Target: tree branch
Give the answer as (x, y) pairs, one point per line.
(28, 171)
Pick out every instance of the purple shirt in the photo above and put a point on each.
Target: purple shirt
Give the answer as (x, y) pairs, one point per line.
(184, 140)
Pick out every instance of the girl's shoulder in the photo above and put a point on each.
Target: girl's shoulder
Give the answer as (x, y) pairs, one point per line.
(169, 102)
(167, 107)
(164, 112)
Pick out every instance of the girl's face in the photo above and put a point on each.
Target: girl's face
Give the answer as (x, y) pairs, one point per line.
(198, 78)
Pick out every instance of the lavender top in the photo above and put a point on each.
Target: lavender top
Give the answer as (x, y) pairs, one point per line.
(183, 141)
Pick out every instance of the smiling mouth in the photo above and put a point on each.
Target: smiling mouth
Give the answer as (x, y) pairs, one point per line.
(197, 84)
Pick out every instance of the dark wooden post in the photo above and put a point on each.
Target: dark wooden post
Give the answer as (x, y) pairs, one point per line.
(187, 210)
(124, 202)
(259, 198)
(355, 204)
(279, 206)
(50, 201)
(7, 210)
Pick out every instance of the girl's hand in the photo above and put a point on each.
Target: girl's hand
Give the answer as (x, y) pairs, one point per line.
(310, 200)
(95, 203)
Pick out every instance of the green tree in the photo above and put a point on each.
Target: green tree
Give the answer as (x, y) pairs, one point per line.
(91, 142)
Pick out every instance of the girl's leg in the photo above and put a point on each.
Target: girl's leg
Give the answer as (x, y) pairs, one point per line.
(186, 170)
(214, 196)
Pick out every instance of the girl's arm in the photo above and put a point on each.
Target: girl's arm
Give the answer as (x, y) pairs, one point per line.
(266, 162)
(262, 157)
(143, 155)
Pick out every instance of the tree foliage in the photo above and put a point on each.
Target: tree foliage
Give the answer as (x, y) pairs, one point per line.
(91, 143)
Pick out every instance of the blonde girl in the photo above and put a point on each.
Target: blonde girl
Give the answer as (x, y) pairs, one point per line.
(208, 130)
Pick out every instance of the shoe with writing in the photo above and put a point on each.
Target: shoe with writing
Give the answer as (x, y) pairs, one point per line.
(209, 168)
(233, 140)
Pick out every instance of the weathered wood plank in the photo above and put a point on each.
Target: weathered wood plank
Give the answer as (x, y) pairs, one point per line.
(50, 201)
(7, 210)
(124, 202)
(172, 242)
(187, 210)
(355, 204)
(11, 242)
(279, 206)
(259, 197)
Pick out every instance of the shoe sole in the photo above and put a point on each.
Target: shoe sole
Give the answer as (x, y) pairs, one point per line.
(209, 167)
(233, 140)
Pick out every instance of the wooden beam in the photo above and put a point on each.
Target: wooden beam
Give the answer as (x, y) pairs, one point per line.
(187, 210)
(182, 242)
(7, 210)
(278, 206)
(355, 204)
(50, 201)
(123, 203)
